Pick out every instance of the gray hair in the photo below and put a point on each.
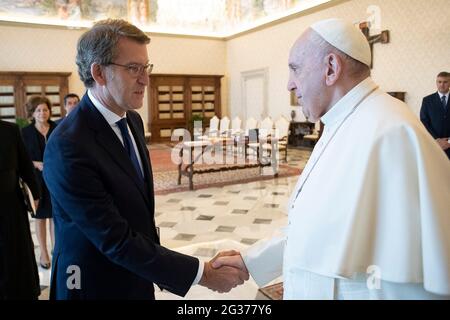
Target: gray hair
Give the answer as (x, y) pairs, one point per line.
(99, 45)
(322, 48)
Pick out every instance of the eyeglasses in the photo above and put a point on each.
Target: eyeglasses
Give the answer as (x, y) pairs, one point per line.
(136, 69)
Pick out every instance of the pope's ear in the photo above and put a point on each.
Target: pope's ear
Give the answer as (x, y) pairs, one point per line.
(98, 73)
(333, 67)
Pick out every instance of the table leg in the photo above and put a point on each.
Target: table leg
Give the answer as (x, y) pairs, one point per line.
(179, 165)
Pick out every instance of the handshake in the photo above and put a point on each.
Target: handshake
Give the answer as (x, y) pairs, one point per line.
(224, 272)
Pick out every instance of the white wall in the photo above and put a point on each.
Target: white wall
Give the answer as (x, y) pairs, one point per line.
(418, 50)
(49, 49)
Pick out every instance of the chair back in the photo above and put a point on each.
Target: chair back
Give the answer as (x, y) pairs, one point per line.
(224, 125)
(236, 125)
(213, 126)
(282, 127)
(266, 127)
(251, 123)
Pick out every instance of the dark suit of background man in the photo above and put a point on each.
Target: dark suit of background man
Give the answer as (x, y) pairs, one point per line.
(98, 171)
(435, 112)
(19, 278)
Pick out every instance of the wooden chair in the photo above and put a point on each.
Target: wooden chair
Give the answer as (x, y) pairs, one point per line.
(265, 132)
(236, 126)
(224, 126)
(280, 137)
(213, 129)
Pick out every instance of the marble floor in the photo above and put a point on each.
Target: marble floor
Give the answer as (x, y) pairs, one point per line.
(206, 221)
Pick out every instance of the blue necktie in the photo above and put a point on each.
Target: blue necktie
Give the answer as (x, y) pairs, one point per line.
(444, 103)
(129, 144)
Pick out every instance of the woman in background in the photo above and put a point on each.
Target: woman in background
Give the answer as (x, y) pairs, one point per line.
(36, 136)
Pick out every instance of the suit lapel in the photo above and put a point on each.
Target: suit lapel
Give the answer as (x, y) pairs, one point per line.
(143, 151)
(109, 141)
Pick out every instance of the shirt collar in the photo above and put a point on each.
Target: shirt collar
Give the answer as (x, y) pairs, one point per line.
(446, 95)
(347, 102)
(109, 116)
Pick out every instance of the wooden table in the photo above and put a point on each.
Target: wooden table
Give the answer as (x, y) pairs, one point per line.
(206, 145)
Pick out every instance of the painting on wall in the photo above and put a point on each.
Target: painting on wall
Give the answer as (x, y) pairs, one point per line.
(76, 10)
(207, 17)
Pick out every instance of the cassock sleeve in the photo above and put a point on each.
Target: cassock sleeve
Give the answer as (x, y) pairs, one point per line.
(264, 260)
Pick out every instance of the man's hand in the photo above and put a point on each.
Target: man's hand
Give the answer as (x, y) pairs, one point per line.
(38, 165)
(222, 279)
(443, 143)
(230, 258)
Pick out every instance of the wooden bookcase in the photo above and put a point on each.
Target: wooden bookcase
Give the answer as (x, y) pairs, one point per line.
(17, 87)
(174, 99)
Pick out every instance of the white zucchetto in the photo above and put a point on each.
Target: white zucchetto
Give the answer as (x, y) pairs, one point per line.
(345, 37)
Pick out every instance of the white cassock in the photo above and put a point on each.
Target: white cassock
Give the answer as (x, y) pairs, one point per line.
(370, 215)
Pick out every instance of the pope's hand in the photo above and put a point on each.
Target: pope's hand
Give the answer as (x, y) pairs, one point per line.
(443, 143)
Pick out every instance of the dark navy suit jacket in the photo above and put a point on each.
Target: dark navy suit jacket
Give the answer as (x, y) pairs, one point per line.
(104, 215)
(435, 118)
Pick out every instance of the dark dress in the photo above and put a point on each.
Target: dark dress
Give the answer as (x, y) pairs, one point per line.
(19, 278)
(35, 143)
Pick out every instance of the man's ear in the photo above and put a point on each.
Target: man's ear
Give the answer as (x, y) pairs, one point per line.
(333, 67)
(98, 73)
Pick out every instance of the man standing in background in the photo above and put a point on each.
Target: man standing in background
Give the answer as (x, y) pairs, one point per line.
(71, 100)
(435, 112)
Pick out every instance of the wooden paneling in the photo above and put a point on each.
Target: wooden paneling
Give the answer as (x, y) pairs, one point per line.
(17, 87)
(174, 99)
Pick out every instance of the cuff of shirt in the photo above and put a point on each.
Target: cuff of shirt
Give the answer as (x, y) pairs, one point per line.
(201, 266)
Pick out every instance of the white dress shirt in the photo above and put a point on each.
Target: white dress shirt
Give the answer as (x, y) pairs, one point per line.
(446, 96)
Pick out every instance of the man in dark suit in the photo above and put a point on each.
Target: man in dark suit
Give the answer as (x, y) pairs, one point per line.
(99, 174)
(435, 112)
(19, 278)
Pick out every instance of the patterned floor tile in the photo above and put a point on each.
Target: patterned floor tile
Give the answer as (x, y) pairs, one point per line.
(184, 237)
(221, 203)
(225, 229)
(167, 224)
(239, 211)
(188, 208)
(205, 252)
(262, 221)
(205, 195)
(248, 241)
(204, 217)
(173, 200)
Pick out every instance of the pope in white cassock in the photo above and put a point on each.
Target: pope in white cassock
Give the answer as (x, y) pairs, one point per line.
(370, 215)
